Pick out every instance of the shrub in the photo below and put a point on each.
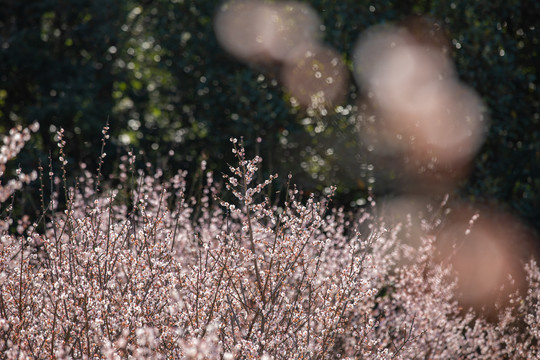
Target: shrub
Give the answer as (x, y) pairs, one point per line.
(143, 270)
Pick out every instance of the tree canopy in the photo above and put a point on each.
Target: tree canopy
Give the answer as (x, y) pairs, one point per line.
(155, 71)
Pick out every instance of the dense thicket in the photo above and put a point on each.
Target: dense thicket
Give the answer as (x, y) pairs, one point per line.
(156, 72)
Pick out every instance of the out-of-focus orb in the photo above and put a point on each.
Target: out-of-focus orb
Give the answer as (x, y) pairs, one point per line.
(485, 253)
(406, 213)
(446, 123)
(388, 59)
(423, 109)
(260, 31)
(316, 76)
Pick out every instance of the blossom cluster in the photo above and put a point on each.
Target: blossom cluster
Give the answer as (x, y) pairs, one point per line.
(13, 144)
(147, 269)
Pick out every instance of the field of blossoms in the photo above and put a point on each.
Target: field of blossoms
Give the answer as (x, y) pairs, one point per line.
(137, 267)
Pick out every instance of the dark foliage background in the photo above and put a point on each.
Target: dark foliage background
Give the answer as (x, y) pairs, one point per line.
(156, 72)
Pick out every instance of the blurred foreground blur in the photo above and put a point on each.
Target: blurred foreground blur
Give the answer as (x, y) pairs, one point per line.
(286, 34)
(173, 82)
(415, 107)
